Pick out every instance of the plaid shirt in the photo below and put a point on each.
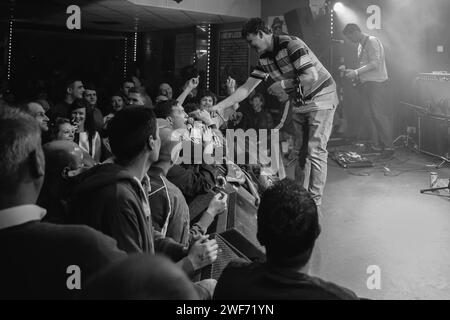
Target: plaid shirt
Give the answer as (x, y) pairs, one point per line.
(291, 57)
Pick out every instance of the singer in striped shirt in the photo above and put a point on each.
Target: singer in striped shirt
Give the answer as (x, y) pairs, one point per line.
(298, 76)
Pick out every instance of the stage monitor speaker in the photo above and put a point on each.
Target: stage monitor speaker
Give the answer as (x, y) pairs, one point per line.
(227, 253)
(235, 233)
(239, 226)
(434, 136)
(432, 91)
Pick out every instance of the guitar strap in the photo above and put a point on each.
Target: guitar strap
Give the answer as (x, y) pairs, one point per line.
(363, 47)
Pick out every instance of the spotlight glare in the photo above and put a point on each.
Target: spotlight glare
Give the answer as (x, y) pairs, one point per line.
(338, 6)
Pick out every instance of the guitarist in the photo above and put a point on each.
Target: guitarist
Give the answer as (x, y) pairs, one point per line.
(312, 97)
(371, 78)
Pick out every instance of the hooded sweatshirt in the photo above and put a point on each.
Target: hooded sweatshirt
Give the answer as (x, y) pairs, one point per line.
(113, 201)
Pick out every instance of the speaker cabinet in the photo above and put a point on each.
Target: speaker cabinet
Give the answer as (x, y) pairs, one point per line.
(300, 23)
(227, 253)
(434, 136)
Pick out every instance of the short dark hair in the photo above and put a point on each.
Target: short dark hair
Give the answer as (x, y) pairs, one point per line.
(128, 79)
(350, 28)
(69, 82)
(90, 86)
(260, 96)
(119, 94)
(20, 135)
(78, 104)
(288, 223)
(163, 109)
(130, 130)
(209, 94)
(191, 107)
(133, 90)
(254, 25)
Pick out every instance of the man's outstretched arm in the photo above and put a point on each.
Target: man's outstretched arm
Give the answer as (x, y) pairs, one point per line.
(239, 95)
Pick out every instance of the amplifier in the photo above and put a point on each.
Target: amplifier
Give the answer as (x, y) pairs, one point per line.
(239, 226)
(235, 233)
(227, 253)
(432, 91)
(444, 76)
(434, 136)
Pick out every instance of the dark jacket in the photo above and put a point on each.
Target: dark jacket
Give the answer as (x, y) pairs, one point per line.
(257, 281)
(111, 200)
(35, 257)
(193, 179)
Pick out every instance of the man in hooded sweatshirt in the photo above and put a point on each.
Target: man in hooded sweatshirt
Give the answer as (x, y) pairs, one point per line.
(112, 197)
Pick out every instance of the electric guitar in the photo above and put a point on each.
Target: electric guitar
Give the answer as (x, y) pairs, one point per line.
(355, 82)
(298, 97)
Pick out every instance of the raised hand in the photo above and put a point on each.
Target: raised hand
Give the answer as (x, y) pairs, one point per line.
(231, 85)
(193, 83)
(218, 205)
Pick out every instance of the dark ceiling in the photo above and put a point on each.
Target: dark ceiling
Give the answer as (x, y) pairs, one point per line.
(110, 15)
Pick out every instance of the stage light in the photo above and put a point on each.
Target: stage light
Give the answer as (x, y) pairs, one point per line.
(338, 6)
(344, 14)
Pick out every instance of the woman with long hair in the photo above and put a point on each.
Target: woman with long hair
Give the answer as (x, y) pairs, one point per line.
(86, 135)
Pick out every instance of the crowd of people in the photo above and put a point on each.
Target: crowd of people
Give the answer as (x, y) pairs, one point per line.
(98, 186)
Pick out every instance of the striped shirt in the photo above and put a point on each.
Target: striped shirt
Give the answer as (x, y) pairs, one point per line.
(291, 57)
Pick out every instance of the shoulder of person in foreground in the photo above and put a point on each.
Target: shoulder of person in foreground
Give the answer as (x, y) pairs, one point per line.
(231, 278)
(334, 291)
(97, 248)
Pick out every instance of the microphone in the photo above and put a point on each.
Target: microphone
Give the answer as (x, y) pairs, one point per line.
(338, 41)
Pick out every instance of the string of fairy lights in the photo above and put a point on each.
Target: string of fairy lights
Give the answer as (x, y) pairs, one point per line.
(208, 52)
(125, 51)
(125, 57)
(10, 43)
(135, 46)
(332, 23)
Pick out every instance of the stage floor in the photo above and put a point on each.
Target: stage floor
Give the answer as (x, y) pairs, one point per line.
(378, 217)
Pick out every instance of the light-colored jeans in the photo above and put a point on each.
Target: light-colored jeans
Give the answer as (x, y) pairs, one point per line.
(314, 130)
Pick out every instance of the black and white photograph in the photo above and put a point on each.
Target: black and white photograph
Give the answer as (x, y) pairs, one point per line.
(224, 156)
